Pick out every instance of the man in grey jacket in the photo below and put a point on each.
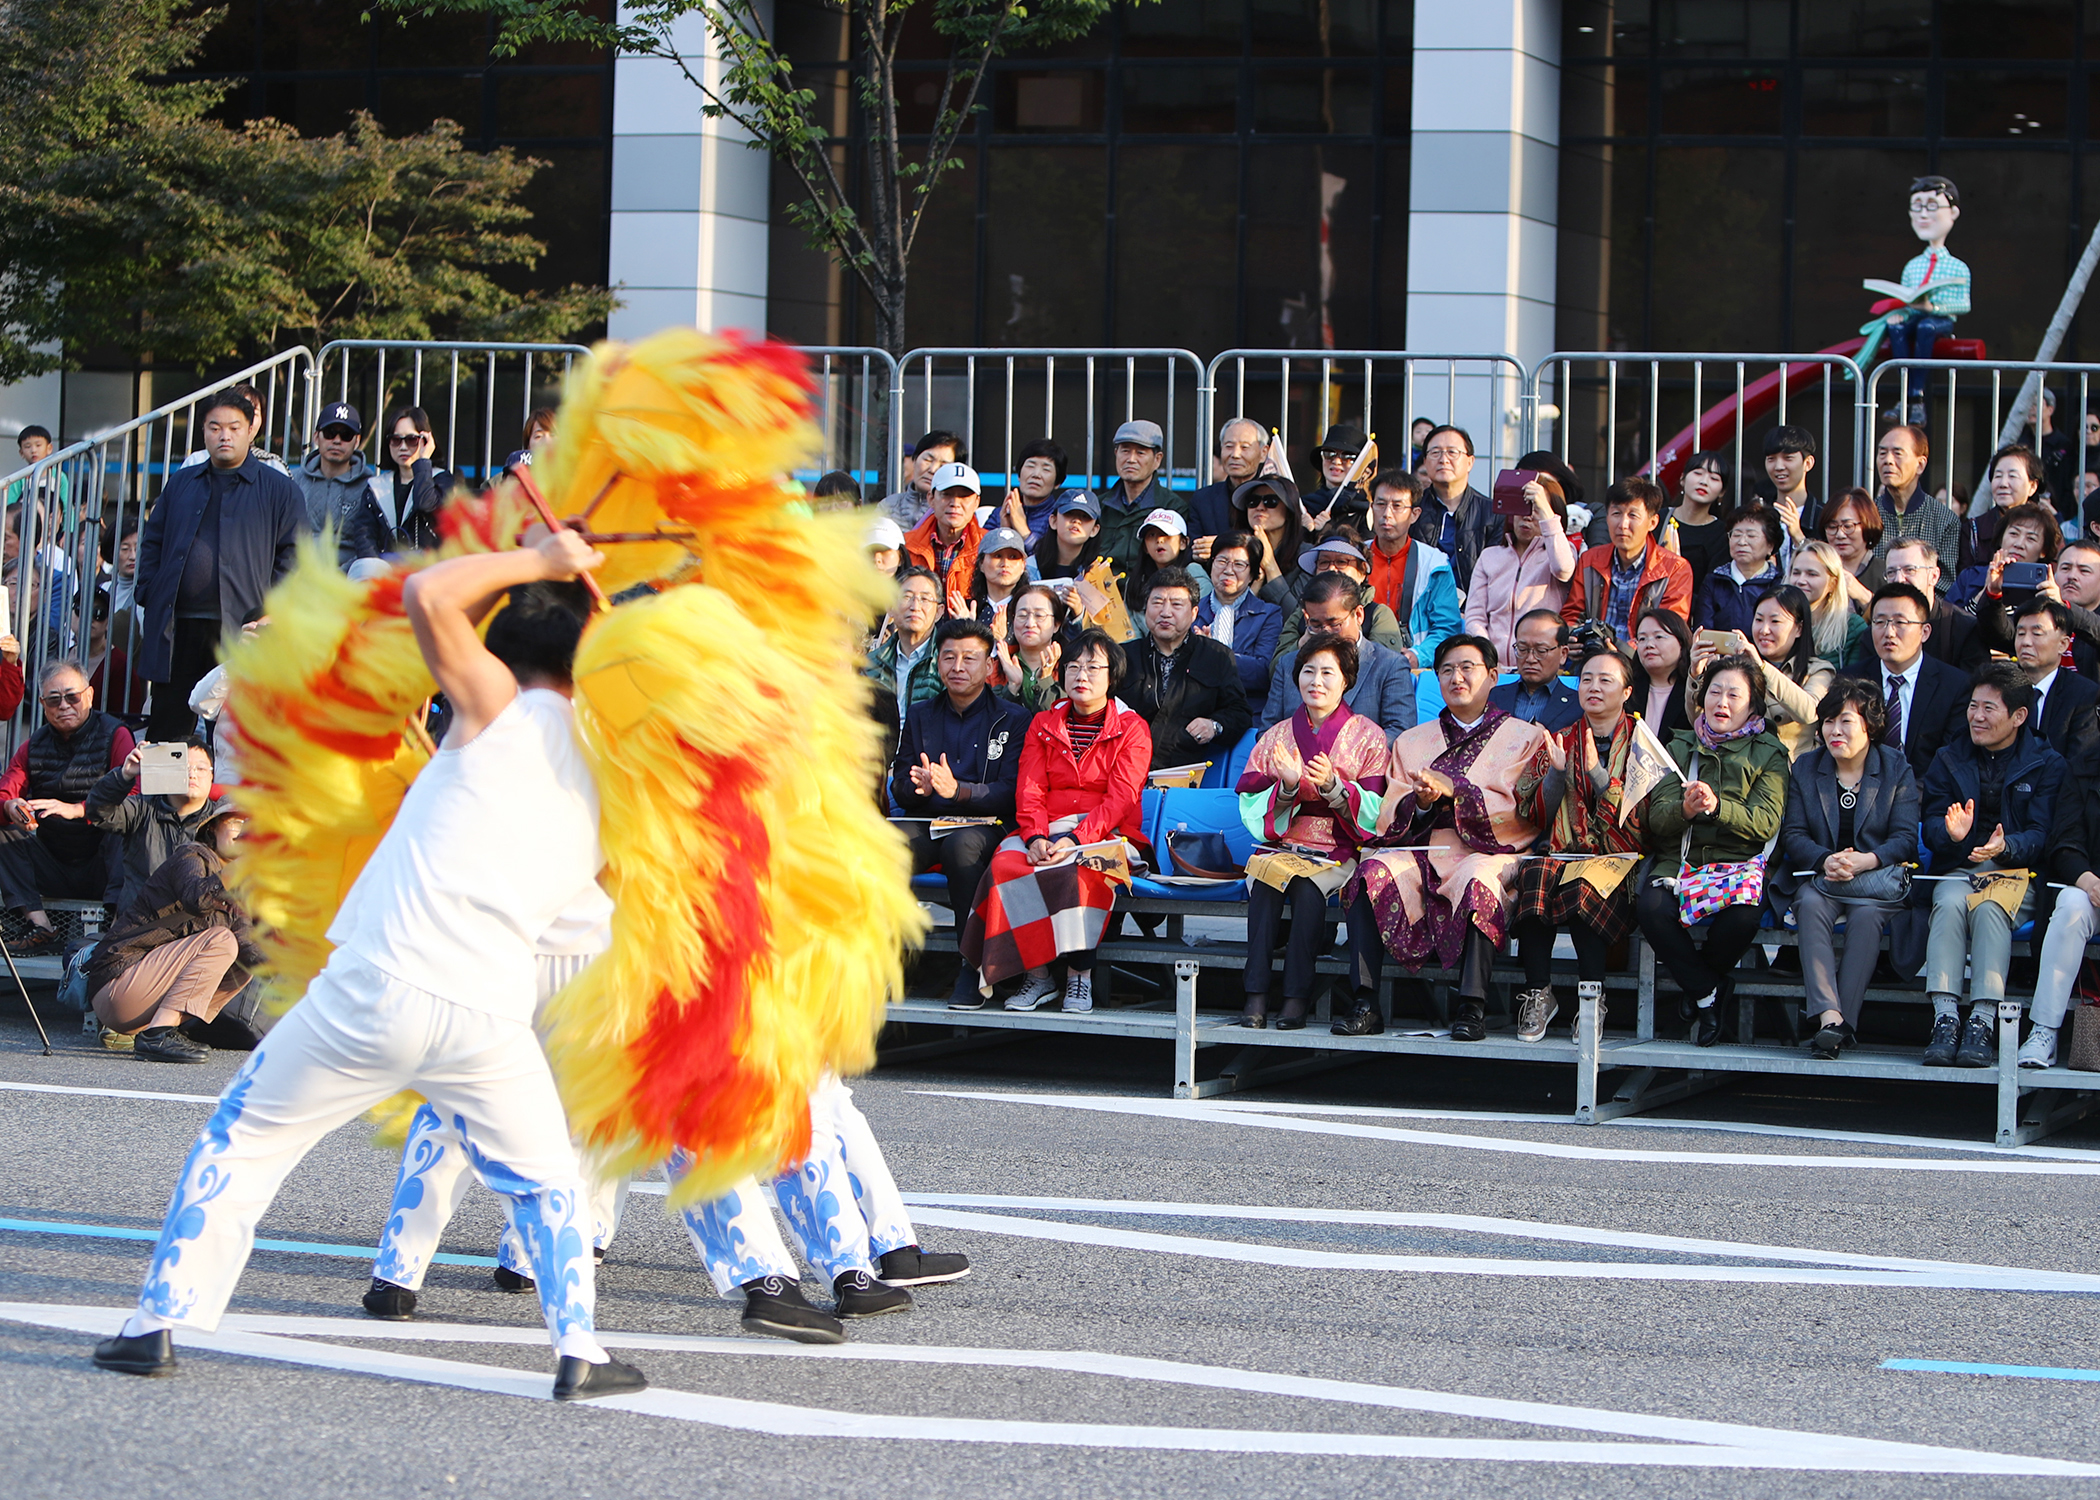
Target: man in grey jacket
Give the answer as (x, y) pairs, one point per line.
(1385, 688)
(338, 486)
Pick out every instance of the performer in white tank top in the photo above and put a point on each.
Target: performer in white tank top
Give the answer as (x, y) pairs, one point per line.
(432, 984)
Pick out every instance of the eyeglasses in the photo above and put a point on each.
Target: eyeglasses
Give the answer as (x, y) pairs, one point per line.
(1461, 669)
(1441, 452)
(1845, 524)
(1230, 565)
(1883, 622)
(65, 700)
(1086, 669)
(1523, 652)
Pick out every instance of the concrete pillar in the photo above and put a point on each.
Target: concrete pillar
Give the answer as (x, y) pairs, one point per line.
(1484, 173)
(689, 200)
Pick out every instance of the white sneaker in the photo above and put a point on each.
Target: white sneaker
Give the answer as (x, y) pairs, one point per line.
(1040, 987)
(1079, 992)
(2039, 1050)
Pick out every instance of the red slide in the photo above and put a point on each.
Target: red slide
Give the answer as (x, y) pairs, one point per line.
(1716, 426)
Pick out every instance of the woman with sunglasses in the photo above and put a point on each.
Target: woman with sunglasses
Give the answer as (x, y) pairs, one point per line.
(419, 489)
(1268, 507)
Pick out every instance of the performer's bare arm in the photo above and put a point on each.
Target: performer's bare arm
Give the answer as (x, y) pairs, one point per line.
(447, 601)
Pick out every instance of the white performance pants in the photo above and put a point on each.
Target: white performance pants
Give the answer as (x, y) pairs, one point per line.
(435, 1174)
(841, 1205)
(357, 1037)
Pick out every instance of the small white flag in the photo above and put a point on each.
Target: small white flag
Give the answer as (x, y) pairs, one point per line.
(1648, 764)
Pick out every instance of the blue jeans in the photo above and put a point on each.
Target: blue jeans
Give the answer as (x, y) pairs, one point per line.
(1914, 337)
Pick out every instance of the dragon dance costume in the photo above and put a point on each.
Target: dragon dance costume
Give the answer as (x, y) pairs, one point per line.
(710, 774)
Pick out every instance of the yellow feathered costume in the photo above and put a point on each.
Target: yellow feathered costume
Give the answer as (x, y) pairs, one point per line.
(762, 904)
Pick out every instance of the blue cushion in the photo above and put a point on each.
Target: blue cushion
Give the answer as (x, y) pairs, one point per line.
(1231, 890)
(1225, 772)
(2025, 929)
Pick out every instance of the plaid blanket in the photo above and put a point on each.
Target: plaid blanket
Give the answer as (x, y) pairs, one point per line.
(1029, 914)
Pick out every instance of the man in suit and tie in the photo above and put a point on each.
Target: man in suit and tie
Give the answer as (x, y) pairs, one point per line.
(1961, 641)
(2075, 583)
(1538, 696)
(1927, 699)
(1385, 688)
(2063, 716)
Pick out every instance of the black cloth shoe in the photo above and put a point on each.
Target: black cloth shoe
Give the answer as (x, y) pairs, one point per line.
(860, 1295)
(966, 995)
(508, 1280)
(1470, 1024)
(390, 1303)
(1706, 1024)
(775, 1305)
(147, 1354)
(1978, 1049)
(168, 1044)
(1830, 1041)
(580, 1380)
(908, 1265)
(1946, 1037)
(1362, 1021)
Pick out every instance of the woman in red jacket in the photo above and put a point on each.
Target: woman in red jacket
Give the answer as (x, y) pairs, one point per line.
(1052, 885)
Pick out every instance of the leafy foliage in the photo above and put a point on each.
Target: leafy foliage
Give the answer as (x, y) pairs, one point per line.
(129, 219)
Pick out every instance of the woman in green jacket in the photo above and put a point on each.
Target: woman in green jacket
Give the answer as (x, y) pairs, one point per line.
(1709, 831)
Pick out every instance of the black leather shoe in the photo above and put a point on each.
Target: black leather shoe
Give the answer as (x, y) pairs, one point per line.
(1830, 1041)
(390, 1303)
(1470, 1024)
(580, 1380)
(908, 1265)
(862, 1296)
(1946, 1037)
(1979, 1048)
(1293, 1017)
(775, 1305)
(168, 1044)
(147, 1354)
(1362, 1021)
(1706, 1025)
(508, 1280)
(1254, 1022)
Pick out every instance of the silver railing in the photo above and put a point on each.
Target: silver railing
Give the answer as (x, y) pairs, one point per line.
(991, 399)
(1967, 403)
(1299, 393)
(68, 562)
(479, 395)
(1615, 412)
(859, 400)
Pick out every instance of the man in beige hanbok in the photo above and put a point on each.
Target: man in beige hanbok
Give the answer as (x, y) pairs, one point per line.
(1441, 876)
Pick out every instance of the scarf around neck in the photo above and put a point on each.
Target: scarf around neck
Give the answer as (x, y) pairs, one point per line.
(1708, 740)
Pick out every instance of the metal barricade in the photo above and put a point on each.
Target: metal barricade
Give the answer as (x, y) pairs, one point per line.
(990, 398)
(1967, 405)
(478, 389)
(1604, 425)
(859, 402)
(70, 564)
(1299, 393)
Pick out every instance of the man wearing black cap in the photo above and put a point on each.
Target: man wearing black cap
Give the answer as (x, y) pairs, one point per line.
(1330, 502)
(338, 486)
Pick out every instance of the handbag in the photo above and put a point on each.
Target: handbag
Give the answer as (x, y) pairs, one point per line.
(1203, 855)
(1882, 885)
(2085, 1038)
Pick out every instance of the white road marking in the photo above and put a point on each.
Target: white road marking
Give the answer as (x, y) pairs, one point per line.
(1574, 1234)
(1202, 1113)
(56, 1088)
(1674, 1441)
(1985, 1279)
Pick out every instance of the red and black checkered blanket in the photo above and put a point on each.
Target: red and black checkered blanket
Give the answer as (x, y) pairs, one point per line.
(1030, 914)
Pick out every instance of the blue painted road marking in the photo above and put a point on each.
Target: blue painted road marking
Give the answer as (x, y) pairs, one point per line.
(1958, 1367)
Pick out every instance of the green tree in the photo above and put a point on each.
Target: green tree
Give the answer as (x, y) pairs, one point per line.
(871, 233)
(130, 219)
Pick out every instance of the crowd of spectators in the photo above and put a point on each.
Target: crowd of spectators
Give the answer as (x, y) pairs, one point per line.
(1867, 707)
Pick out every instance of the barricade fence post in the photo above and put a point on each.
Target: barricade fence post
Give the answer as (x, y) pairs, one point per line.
(1966, 404)
(1615, 413)
(502, 383)
(860, 413)
(991, 399)
(1299, 393)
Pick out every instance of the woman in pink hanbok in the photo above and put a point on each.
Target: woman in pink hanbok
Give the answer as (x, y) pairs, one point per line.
(1441, 877)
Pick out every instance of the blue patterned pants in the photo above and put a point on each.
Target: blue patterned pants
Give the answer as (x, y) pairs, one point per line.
(357, 1037)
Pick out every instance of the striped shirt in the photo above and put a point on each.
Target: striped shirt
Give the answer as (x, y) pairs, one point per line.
(1083, 732)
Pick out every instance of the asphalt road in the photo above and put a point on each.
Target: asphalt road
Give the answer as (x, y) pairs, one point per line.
(1669, 1309)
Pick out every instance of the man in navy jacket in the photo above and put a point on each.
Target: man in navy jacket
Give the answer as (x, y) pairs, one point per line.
(1986, 805)
(959, 757)
(221, 534)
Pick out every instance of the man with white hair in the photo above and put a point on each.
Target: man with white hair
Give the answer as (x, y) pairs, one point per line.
(1242, 445)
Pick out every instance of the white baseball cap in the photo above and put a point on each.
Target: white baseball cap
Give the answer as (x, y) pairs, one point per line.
(883, 532)
(956, 476)
(1168, 521)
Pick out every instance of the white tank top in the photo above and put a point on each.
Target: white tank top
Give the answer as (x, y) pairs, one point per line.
(495, 844)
